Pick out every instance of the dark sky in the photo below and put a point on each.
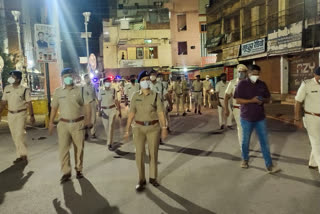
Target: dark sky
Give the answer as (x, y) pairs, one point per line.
(72, 24)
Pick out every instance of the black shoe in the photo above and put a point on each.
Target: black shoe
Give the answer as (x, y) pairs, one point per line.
(79, 175)
(313, 167)
(230, 127)
(184, 114)
(86, 136)
(140, 186)
(199, 112)
(154, 182)
(161, 142)
(110, 147)
(22, 159)
(65, 178)
(195, 111)
(94, 137)
(222, 127)
(188, 110)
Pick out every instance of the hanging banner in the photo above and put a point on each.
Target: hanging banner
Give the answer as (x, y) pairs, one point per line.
(285, 40)
(45, 43)
(253, 47)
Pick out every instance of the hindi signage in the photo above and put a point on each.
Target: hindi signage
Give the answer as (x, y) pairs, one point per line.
(285, 40)
(253, 47)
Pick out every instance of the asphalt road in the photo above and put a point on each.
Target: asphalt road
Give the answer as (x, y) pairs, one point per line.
(199, 172)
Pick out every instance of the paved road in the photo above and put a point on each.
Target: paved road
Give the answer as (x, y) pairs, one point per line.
(198, 170)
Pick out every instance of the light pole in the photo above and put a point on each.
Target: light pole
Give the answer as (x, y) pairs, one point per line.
(16, 15)
(86, 20)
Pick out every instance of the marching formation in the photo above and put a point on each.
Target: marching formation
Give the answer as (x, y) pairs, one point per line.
(150, 99)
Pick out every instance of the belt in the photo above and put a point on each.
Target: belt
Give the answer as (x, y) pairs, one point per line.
(147, 123)
(15, 112)
(197, 91)
(72, 121)
(180, 94)
(221, 98)
(108, 107)
(314, 114)
(236, 107)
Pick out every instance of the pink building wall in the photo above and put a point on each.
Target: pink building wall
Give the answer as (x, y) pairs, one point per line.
(191, 35)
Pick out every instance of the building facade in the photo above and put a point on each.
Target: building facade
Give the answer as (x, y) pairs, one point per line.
(281, 36)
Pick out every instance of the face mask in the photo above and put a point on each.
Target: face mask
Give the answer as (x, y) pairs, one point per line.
(133, 81)
(207, 78)
(145, 84)
(153, 78)
(241, 75)
(11, 80)
(159, 79)
(68, 81)
(254, 78)
(107, 84)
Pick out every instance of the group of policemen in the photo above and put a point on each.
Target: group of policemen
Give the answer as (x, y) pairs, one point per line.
(150, 100)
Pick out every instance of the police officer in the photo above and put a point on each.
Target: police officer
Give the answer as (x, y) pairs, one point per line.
(186, 94)
(19, 101)
(242, 73)
(130, 88)
(147, 112)
(89, 89)
(70, 100)
(178, 89)
(220, 93)
(206, 91)
(197, 88)
(309, 94)
(108, 105)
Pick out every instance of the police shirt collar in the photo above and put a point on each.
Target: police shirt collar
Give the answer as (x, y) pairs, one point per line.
(141, 93)
(64, 87)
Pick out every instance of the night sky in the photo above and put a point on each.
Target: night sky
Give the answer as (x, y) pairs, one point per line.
(74, 25)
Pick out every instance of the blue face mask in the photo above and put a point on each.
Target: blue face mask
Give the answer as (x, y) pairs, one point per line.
(68, 81)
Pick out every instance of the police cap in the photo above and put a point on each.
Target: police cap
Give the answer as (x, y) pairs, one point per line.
(317, 71)
(17, 74)
(67, 71)
(143, 74)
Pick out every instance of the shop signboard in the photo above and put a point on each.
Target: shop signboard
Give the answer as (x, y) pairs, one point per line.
(286, 40)
(45, 43)
(231, 53)
(253, 47)
(131, 63)
(301, 68)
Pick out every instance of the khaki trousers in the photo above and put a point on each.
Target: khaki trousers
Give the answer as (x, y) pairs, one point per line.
(180, 103)
(71, 133)
(222, 118)
(17, 124)
(186, 99)
(93, 117)
(197, 96)
(108, 123)
(206, 98)
(236, 114)
(312, 124)
(151, 135)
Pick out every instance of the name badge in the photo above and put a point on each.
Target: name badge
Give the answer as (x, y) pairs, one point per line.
(314, 91)
(62, 97)
(8, 92)
(138, 100)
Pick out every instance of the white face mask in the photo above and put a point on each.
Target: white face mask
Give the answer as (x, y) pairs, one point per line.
(207, 78)
(145, 84)
(11, 80)
(107, 84)
(153, 78)
(159, 79)
(254, 78)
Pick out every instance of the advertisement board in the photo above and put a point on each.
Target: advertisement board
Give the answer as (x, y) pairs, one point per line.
(253, 47)
(45, 43)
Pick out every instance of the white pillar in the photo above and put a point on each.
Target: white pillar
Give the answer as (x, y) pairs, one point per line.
(284, 72)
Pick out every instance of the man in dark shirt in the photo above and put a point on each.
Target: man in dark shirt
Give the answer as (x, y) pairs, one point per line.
(251, 94)
(41, 43)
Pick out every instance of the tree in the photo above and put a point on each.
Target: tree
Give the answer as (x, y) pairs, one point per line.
(9, 65)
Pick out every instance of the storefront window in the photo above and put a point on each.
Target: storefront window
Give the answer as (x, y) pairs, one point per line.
(153, 53)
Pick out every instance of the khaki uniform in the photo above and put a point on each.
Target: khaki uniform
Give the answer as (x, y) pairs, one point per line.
(221, 90)
(235, 107)
(70, 104)
(206, 89)
(159, 88)
(309, 93)
(146, 109)
(109, 111)
(130, 89)
(178, 90)
(90, 92)
(197, 92)
(117, 86)
(17, 99)
(186, 96)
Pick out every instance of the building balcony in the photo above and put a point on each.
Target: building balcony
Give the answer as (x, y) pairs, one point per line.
(145, 34)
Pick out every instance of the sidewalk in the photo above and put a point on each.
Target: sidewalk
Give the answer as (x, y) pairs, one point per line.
(282, 112)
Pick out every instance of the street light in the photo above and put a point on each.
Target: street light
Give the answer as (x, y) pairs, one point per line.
(16, 15)
(86, 20)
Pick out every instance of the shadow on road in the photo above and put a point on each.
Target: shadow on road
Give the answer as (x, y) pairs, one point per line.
(188, 205)
(13, 179)
(89, 202)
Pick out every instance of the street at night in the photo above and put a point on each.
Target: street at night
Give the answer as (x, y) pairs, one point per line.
(199, 172)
